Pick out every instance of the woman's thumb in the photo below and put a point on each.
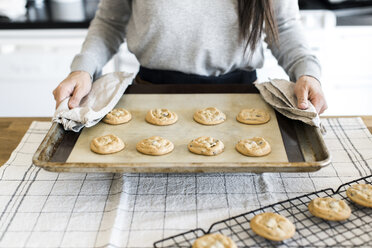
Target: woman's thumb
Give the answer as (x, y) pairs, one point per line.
(302, 96)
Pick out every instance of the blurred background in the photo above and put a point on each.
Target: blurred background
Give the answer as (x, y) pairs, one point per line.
(39, 38)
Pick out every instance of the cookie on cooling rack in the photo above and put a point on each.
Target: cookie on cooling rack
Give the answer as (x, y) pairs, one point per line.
(214, 240)
(360, 194)
(272, 226)
(329, 209)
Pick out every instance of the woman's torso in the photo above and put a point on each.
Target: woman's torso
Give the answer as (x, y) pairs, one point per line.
(197, 37)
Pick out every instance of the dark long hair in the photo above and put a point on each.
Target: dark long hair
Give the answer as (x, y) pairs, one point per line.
(256, 16)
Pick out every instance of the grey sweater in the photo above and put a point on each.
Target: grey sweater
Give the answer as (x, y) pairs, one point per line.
(192, 36)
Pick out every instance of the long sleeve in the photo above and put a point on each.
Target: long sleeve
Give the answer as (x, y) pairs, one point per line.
(292, 51)
(105, 35)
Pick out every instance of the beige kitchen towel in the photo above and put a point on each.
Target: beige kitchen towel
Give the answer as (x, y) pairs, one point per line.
(279, 93)
(105, 94)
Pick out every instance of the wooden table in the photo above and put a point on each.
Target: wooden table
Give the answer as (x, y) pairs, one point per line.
(11, 133)
(13, 129)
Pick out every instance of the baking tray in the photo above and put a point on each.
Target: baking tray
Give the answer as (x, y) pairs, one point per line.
(310, 231)
(304, 145)
(185, 129)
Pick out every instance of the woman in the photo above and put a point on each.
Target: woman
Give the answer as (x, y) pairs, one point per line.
(197, 41)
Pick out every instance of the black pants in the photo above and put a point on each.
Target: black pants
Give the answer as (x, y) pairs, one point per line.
(175, 77)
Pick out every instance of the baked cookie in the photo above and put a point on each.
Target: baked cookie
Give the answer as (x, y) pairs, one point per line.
(214, 240)
(161, 117)
(206, 146)
(107, 144)
(360, 194)
(329, 209)
(272, 226)
(117, 116)
(209, 116)
(253, 116)
(155, 146)
(255, 147)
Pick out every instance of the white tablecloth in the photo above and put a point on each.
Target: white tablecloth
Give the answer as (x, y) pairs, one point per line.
(45, 209)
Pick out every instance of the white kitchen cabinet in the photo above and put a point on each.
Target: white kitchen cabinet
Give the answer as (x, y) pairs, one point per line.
(33, 62)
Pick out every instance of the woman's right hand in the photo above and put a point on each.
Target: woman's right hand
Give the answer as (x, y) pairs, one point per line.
(77, 85)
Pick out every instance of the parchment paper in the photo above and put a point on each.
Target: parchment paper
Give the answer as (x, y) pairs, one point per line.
(184, 130)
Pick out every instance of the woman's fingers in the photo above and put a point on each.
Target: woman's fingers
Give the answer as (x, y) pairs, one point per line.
(308, 88)
(63, 91)
(76, 85)
(318, 100)
(324, 108)
(80, 91)
(302, 96)
(318, 103)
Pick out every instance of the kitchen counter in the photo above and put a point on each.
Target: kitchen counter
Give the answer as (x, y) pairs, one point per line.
(13, 129)
(11, 133)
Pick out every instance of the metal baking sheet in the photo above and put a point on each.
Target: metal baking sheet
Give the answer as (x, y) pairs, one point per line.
(295, 147)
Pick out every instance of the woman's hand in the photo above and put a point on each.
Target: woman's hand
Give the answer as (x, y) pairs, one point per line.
(308, 88)
(77, 85)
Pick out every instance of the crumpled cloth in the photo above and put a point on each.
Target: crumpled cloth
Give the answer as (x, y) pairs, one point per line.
(279, 93)
(105, 94)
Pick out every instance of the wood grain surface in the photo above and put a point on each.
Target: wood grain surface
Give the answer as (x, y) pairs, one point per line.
(11, 133)
(13, 129)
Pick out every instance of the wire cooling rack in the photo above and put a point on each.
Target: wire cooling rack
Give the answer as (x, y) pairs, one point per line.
(310, 231)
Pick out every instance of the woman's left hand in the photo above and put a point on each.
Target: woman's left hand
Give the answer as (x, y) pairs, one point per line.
(308, 88)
